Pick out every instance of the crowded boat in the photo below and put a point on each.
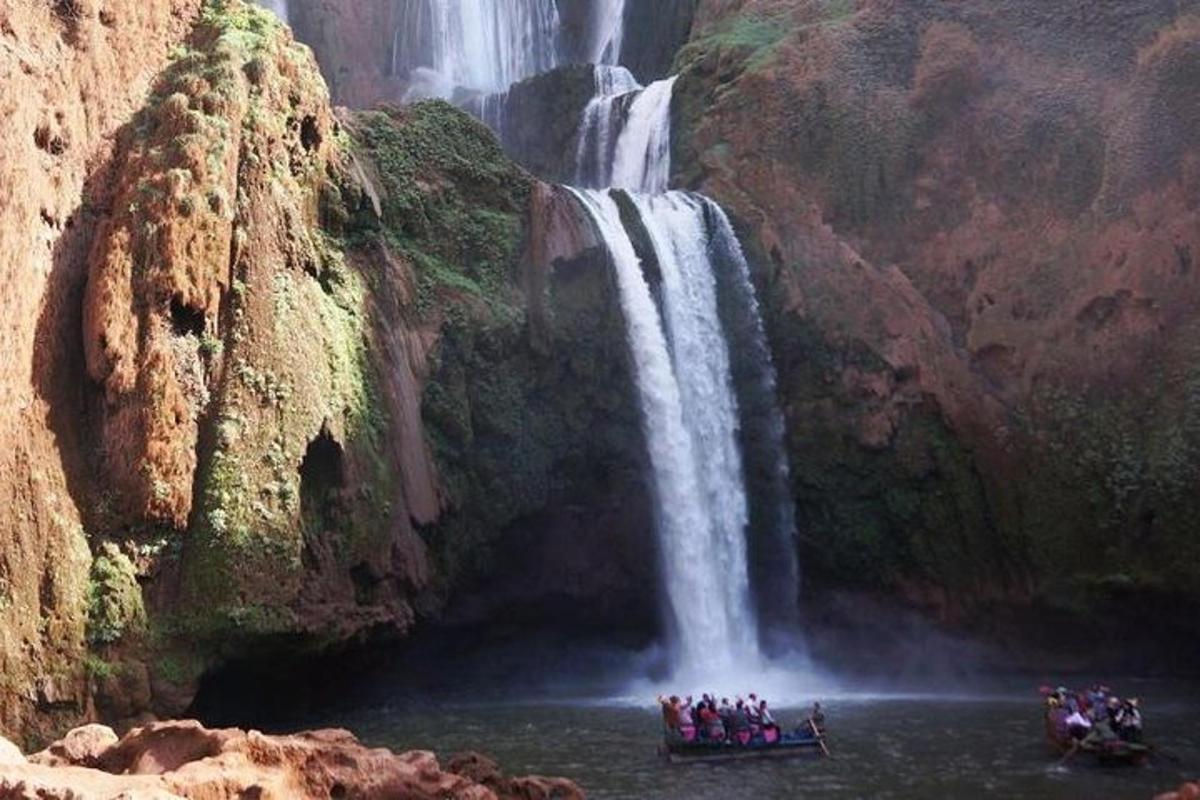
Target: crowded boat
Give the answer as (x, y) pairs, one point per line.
(1097, 722)
(711, 727)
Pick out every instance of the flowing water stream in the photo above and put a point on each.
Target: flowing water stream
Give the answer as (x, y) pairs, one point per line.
(480, 45)
(680, 348)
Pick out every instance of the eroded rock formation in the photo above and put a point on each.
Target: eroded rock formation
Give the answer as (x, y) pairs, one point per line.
(169, 760)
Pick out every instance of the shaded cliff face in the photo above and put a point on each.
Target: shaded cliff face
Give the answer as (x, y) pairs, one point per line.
(976, 224)
(274, 385)
(70, 76)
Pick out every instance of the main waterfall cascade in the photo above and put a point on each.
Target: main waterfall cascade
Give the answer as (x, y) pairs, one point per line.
(681, 355)
(478, 45)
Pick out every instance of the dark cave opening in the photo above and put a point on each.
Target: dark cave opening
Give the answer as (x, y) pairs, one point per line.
(322, 479)
(186, 320)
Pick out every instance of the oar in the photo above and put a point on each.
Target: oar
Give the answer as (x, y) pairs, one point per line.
(1074, 749)
(820, 738)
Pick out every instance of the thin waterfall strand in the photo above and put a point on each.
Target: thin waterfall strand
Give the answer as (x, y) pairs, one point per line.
(601, 125)
(727, 250)
(642, 161)
(608, 31)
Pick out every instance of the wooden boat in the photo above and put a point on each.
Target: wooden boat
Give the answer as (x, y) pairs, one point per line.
(1107, 752)
(802, 742)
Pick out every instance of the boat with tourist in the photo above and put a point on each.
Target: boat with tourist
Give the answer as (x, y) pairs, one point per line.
(710, 731)
(1095, 724)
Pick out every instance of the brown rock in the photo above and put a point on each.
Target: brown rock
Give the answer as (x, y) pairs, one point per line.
(184, 759)
(81, 747)
(9, 753)
(485, 771)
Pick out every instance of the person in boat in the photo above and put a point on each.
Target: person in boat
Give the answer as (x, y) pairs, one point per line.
(725, 711)
(742, 732)
(710, 722)
(770, 729)
(1129, 721)
(670, 713)
(816, 719)
(752, 712)
(1097, 698)
(1079, 725)
(687, 725)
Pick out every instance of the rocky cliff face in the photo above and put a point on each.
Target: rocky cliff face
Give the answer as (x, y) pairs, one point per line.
(280, 379)
(976, 225)
(72, 74)
(274, 368)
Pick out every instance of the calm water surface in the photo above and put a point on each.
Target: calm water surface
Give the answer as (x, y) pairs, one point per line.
(883, 747)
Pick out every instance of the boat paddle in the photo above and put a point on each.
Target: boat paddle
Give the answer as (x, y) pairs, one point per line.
(820, 738)
(1071, 752)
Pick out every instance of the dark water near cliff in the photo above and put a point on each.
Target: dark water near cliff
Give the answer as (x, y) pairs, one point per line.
(899, 746)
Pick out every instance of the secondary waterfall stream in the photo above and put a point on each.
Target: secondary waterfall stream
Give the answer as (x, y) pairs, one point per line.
(680, 273)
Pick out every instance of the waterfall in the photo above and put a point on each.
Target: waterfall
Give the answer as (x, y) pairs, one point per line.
(681, 367)
(601, 126)
(280, 7)
(642, 161)
(481, 45)
(608, 29)
(686, 309)
(763, 429)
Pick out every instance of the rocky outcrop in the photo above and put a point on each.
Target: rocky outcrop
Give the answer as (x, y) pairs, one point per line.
(71, 75)
(183, 759)
(978, 260)
(312, 347)
(1188, 791)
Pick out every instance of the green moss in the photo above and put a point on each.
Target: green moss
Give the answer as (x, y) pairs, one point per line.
(453, 203)
(750, 39)
(114, 597)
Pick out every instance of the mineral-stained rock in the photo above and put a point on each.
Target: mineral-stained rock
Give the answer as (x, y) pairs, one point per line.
(183, 759)
(1188, 791)
(10, 754)
(978, 290)
(81, 747)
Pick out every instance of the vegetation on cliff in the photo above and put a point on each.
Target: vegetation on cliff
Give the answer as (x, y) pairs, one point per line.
(971, 291)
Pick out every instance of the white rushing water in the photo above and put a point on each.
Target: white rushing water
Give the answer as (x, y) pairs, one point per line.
(601, 126)
(681, 355)
(481, 45)
(642, 161)
(280, 7)
(608, 31)
(682, 371)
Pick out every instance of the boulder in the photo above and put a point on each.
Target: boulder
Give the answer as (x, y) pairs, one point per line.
(81, 747)
(10, 753)
(184, 759)
(1188, 791)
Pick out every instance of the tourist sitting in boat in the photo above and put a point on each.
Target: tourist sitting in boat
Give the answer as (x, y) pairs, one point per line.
(711, 726)
(770, 729)
(671, 712)
(1129, 721)
(742, 733)
(687, 725)
(1078, 724)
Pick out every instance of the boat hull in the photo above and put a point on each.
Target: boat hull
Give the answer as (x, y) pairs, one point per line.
(709, 753)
